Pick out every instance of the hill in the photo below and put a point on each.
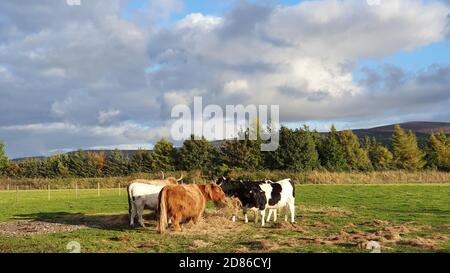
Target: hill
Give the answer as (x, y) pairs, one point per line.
(422, 129)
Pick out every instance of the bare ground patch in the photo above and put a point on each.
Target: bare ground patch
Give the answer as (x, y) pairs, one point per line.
(331, 211)
(384, 232)
(35, 227)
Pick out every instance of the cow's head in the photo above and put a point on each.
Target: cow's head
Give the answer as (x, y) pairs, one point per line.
(215, 193)
(221, 180)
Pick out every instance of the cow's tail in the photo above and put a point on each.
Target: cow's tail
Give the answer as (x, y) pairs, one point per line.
(162, 211)
(293, 187)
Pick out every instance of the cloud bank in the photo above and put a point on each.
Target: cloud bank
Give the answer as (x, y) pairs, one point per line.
(85, 76)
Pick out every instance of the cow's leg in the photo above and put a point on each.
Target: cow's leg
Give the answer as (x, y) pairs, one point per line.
(286, 210)
(133, 213)
(274, 214)
(256, 217)
(292, 209)
(245, 215)
(176, 221)
(263, 215)
(140, 212)
(270, 214)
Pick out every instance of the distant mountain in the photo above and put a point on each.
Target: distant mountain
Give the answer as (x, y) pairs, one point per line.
(422, 129)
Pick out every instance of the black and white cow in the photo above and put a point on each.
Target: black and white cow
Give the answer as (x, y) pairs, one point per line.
(280, 194)
(251, 196)
(262, 195)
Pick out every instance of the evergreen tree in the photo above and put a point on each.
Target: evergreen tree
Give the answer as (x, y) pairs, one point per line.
(77, 164)
(196, 155)
(407, 154)
(164, 155)
(379, 155)
(296, 151)
(141, 162)
(245, 154)
(331, 152)
(357, 158)
(116, 164)
(55, 166)
(3, 160)
(438, 152)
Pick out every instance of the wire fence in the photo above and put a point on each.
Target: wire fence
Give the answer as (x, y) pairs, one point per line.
(23, 192)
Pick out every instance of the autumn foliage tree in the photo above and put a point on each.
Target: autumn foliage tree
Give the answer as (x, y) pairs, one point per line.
(357, 158)
(438, 152)
(406, 152)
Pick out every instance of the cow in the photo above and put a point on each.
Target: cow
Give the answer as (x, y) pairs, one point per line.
(261, 195)
(250, 194)
(185, 202)
(280, 194)
(144, 194)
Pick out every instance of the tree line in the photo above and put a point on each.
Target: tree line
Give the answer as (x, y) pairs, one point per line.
(299, 150)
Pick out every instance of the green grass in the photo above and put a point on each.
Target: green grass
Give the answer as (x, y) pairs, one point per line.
(322, 211)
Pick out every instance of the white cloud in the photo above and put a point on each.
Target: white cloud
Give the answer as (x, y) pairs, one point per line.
(199, 21)
(236, 86)
(104, 116)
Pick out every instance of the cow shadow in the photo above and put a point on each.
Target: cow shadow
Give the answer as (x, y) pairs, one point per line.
(117, 222)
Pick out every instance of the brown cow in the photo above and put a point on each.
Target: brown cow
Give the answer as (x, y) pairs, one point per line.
(188, 202)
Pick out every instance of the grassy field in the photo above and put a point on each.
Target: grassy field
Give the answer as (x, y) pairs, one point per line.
(330, 218)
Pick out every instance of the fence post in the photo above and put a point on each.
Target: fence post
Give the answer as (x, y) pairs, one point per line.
(98, 189)
(48, 186)
(76, 190)
(119, 190)
(17, 194)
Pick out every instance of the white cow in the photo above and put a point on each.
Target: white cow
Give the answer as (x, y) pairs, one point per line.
(280, 194)
(141, 195)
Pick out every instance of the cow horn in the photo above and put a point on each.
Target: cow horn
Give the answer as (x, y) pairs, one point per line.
(181, 178)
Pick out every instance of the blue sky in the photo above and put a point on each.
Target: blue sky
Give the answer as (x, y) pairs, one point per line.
(411, 61)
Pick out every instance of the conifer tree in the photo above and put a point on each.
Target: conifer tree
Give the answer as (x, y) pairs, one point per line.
(163, 156)
(3, 160)
(331, 153)
(407, 154)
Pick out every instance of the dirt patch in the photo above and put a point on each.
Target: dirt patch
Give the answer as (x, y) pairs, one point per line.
(148, 244)
(331, 211)
(196, 244)
(33, 227)
(439, 236)
(266, 245)
(290, 226)
(421, 242)
(122, 238)
(107, 220)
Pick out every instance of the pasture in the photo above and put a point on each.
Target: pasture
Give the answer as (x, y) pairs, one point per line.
(330, 218)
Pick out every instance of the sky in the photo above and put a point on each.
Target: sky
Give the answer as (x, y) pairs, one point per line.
(107, 73)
